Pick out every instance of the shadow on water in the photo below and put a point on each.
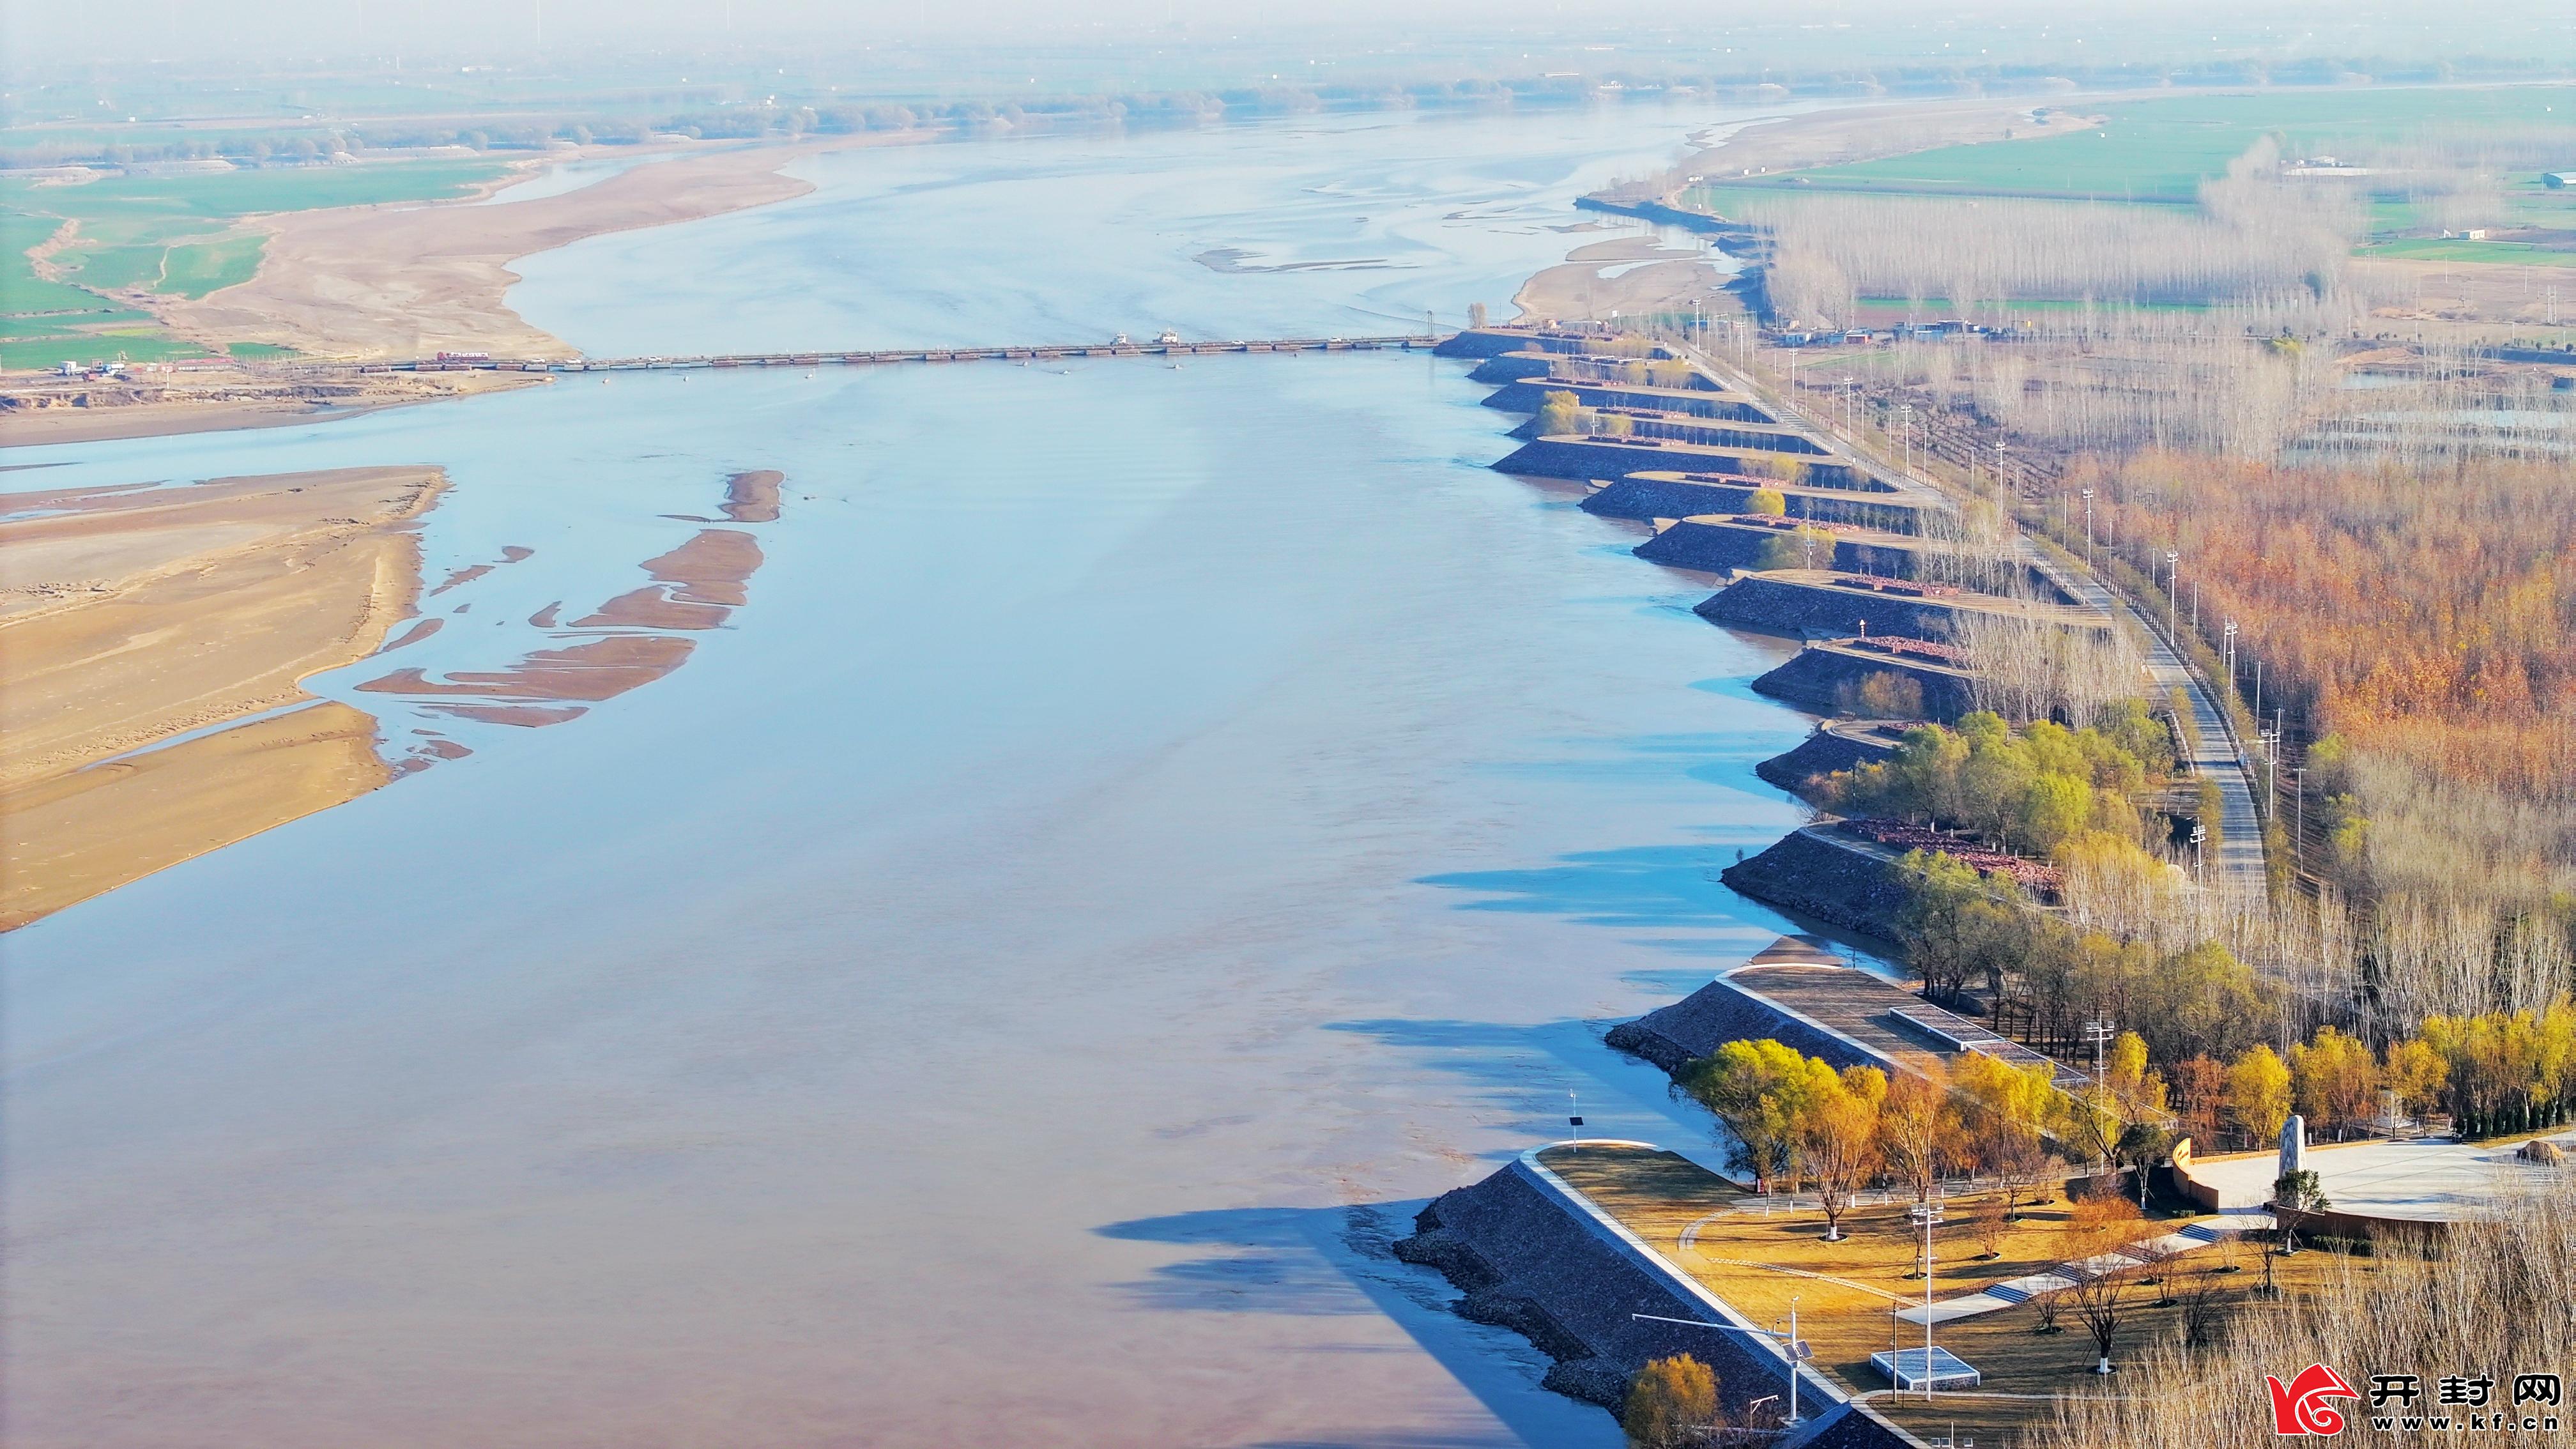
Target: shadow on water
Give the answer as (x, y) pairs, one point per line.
(1521, 1074)
(1670, 886)
(1339, 1261)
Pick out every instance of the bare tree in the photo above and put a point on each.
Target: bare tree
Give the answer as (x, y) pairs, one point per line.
(2204, 1301)
(1989, 1217)
(2101, 1303)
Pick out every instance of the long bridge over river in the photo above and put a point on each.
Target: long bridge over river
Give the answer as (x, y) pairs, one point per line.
(1164, 346)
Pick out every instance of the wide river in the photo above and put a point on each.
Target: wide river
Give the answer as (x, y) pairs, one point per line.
(1146, 830)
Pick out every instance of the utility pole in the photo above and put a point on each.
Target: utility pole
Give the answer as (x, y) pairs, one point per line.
(2088, 528)
(2173, 608)
(2272, 786)
(2299, 834)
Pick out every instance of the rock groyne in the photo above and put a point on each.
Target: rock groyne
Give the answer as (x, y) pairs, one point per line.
(1512, 367)
(1594, 457)
(1533, 1255)
(1828, 678)
(1527, 393)
(1719, 545)
(1665, 494)
(1819, 874)
(1810, 607)
(1495, 341)
(1824, 752)
(1721, 1012)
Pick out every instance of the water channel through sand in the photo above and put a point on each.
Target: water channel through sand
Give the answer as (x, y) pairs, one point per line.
(1010, 914)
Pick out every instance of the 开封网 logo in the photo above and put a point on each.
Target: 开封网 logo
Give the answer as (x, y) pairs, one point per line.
(2302, 1408)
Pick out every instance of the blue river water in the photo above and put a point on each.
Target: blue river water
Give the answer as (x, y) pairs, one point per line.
(1144, 830)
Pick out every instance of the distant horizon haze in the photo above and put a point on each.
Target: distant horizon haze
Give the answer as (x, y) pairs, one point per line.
(1401, 37)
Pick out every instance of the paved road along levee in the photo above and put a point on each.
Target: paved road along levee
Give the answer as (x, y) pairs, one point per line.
(2239, 859)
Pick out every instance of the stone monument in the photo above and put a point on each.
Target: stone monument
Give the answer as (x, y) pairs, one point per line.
(2294, 1146)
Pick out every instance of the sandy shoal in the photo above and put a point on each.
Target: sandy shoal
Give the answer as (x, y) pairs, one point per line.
(408, 281)
(1843, 135)
(1672, 280)
(130, 618)
(80, 834)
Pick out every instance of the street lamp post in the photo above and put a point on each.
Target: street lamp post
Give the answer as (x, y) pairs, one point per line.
(2088, 528)
(1792, 1347)
(1926, 1214)
(2173, 606)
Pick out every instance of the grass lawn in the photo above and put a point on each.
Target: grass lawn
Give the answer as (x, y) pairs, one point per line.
(258, 351)
(1847, 1291)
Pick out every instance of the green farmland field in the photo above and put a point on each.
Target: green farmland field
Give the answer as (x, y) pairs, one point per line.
(193, 271)
(167, 234)
(2161, 149)
(137, 346)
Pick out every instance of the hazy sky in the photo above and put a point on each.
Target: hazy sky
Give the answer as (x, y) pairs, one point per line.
(47, 31)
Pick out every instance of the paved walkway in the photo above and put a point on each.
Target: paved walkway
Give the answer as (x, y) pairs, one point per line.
(1997, 1296)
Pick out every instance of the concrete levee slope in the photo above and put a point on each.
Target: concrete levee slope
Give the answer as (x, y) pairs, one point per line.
(1528, 392)
(1657, 494)
(1830, 877)
(1828, 677)
(1802, 607)
(1720, 545)
(1824, 752)
(1533, 1254)
(1720, 1012)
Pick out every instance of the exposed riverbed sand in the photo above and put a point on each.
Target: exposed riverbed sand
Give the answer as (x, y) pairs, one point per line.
(1846, 134)
(132, 617)
(1631, 276)
(408, 281)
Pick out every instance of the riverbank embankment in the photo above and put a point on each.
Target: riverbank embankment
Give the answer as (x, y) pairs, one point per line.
(1829, 877)
(1832, 748)
(1533, 1254)
(1840, 676)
